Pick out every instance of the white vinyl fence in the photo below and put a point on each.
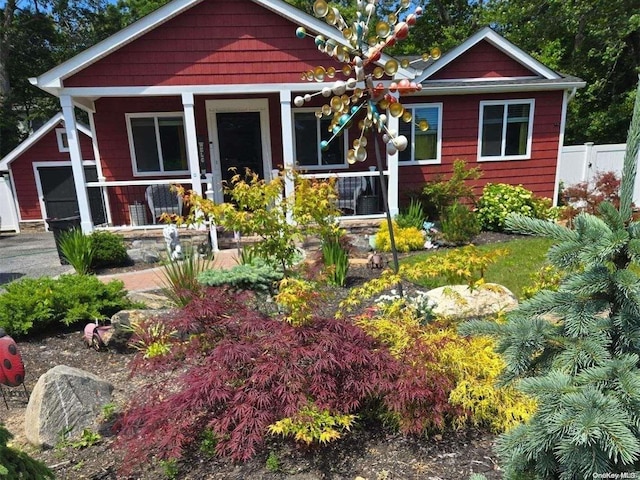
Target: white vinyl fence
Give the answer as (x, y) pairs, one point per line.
(579, 163)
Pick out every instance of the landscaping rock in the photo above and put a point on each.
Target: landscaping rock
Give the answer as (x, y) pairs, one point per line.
(120, 333)
(153, 301)
(144, 255)
(65, 401)
(458, 301)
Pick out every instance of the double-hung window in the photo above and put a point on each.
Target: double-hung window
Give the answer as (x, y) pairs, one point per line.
(424, 144)
(505, 129)
(309, 131)
(157, 143)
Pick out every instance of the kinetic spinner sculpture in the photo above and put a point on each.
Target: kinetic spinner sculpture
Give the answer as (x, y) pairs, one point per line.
(369, 101)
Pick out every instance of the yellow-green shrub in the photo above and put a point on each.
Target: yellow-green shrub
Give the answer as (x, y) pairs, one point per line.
(396, 326)
(300, 298)
(311, 424)
(476, 367)
(407, 239)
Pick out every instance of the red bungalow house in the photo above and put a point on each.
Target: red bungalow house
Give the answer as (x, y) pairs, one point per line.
(199, 86)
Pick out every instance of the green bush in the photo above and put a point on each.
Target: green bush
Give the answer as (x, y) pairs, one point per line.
(77, 249)
(258, 276)
(440, 193)
(459, 224)
(17, 465)
(413, 216)
(31, 305)
(109, 250)
(499, 200)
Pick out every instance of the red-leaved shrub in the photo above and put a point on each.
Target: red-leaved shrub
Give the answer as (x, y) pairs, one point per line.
(586, 196)
(235, 371)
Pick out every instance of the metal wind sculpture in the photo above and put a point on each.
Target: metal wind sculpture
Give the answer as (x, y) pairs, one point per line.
(362, 96)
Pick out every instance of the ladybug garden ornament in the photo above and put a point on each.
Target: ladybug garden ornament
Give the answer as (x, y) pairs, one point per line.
(11, 364)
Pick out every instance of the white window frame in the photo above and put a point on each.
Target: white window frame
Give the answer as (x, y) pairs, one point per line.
(134, 163)
(345, 144)
(61, 133)
(506, 103)
(412, 144)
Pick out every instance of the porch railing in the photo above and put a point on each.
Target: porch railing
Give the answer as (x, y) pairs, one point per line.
(134, 203)
(360, 193)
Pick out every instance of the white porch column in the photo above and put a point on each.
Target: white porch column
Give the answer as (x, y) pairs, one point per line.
(75, 153)
(392, 167)
(98, 159)
(286, 117)
(192, 142)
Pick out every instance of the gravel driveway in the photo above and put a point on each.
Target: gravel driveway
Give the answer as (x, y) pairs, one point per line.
(29, 255)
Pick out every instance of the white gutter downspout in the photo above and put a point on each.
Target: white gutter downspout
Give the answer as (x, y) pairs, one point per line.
(566, 98)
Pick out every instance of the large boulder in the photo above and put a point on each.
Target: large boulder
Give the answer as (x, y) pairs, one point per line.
(459, 301)
(65, 401)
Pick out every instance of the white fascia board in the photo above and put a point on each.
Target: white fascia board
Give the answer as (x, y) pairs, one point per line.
(52, 79)
(477, 89)
(323, 28)
(37, 135)
(499, 42)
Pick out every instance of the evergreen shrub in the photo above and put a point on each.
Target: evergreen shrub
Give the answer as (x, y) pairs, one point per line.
(109, 250)
(498, 200)
(459, 224)
(17, 465)
(576, 350)
(258, 276)
(30, 305)
(407, 239)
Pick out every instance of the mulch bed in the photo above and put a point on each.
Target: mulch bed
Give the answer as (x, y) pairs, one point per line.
(370, 451)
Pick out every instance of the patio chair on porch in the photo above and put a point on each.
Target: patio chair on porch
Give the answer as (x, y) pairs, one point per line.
(162, 200)
(349, 190)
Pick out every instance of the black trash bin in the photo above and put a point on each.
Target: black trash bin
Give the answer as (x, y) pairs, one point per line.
(60, 225)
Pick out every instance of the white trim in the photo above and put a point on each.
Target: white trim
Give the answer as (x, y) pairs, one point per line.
(497, 41)
(191, 142)
(132, 152)
(431, 87)
(260, 105)
(36, 175)
(318, 166)
(35, 136)
(61, 133)
(506, 103)
(438, 159)
(52, 80)
(15, 195)
(563, 123)
(98, 159)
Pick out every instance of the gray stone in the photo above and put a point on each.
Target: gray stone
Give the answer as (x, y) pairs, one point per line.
(144, 255)
(65, 401)
(121, 326)
(153, 301)
(458, 301)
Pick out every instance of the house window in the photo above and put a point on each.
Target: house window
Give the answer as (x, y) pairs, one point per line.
(309, 131)
(505, 129)
(424, 145)
(157, 143)
(63, 140)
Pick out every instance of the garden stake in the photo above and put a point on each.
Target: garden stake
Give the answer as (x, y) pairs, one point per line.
(385, 202)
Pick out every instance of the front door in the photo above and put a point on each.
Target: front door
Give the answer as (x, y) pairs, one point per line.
(239, 138)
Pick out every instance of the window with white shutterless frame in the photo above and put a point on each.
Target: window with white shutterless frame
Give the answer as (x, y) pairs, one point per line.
(505, 129)
(308, 131)
(157, 143)
(424, 144)
(63, 140)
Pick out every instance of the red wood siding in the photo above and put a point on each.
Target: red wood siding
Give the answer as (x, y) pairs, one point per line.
(113, 140)
(483, 60)
(460, 140)
(215, 42)
(44, 150)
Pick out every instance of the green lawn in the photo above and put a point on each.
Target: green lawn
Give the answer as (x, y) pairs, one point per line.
(514, 270)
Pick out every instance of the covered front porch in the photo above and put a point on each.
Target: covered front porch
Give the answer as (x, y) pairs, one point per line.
(159, 136)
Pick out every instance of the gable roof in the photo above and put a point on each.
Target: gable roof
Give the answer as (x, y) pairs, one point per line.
(35, 137)
(502, 44)
(52, 80)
